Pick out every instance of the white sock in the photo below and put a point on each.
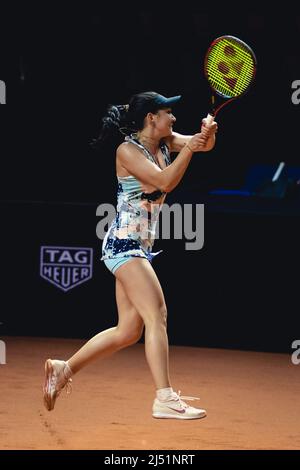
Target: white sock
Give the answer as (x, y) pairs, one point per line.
(164, 394)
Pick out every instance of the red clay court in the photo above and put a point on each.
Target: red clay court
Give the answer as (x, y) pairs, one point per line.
(251, 398)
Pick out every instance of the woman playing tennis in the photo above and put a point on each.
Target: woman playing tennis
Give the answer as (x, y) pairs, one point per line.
(145, 175)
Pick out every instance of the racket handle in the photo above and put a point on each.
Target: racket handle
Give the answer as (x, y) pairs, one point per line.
(208, 123)
(209, 119)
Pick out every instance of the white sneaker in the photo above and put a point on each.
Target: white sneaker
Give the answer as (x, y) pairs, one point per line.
(57, 376)
(176, 408)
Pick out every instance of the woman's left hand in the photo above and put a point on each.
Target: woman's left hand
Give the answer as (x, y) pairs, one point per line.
(210, 130)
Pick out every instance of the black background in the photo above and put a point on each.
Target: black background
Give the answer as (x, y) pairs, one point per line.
(61, 70)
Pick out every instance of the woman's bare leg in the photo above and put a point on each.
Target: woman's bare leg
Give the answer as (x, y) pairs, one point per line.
(144, 291)
(127, 332)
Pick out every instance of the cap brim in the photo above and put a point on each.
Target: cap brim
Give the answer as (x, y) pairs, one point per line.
(170, 101)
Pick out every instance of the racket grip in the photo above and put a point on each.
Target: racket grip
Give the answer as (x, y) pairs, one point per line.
(209, 119)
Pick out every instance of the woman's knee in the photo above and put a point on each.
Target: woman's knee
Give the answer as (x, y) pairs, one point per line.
(128, 336)
(164, 315)
(157, 318)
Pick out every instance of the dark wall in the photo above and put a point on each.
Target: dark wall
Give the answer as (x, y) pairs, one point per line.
(62, 70)
(239, 291)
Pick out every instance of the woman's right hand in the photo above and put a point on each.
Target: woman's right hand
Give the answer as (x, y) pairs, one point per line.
(197, 142)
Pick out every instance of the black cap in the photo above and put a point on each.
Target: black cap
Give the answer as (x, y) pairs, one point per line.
(161, 100)
(153, 101)
(147, 102)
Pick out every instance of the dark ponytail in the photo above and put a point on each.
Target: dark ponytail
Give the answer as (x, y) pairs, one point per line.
(127, 119)
(115, 121)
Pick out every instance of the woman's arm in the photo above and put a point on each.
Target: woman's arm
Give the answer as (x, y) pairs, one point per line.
(147, 172)
(177, 141)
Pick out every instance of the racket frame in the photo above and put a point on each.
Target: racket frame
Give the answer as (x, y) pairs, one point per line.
(215, 93)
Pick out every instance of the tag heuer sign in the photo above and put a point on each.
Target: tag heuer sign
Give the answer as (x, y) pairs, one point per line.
(66, 267)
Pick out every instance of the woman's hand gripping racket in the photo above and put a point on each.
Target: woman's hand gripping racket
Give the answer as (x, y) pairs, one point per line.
(230, 68)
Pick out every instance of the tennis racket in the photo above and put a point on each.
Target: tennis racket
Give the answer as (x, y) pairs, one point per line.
(230, 68)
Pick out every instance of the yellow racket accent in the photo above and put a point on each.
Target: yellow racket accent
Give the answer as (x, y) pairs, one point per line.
(230, 66)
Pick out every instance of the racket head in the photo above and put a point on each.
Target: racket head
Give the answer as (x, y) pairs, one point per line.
(230, 67)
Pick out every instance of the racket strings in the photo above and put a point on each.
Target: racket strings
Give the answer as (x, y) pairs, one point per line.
(230, 67)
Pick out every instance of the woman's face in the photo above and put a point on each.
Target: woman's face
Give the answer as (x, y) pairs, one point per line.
(164, 120)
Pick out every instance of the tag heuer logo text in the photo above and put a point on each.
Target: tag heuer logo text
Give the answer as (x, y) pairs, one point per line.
(66, 267)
